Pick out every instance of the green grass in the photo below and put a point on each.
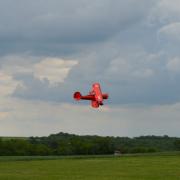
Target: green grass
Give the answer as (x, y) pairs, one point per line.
(150, 167)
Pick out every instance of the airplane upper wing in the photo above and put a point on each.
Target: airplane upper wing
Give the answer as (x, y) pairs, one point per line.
(105, 96)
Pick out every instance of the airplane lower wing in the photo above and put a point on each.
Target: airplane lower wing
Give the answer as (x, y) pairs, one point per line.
(94, 104)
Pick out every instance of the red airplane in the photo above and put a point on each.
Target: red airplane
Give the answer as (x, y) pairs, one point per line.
(95, 96)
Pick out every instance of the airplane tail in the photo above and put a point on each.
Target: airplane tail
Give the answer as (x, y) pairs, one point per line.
(77, 96)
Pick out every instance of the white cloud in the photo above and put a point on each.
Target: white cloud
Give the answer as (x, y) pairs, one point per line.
(3, 115)
(166, 18)
(143, 73)
(120, 66)
(7, 84)
(170, 32)
(18, 64)
(165, 12)
(55, 70)
(173, 65)
(27, 118)
(128, 69)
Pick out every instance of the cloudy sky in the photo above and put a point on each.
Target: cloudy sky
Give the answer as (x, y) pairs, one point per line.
(51, 48)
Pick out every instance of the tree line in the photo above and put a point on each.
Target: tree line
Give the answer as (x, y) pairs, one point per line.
(70, 144)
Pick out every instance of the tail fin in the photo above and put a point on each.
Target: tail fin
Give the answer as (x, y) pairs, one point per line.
(77, 96)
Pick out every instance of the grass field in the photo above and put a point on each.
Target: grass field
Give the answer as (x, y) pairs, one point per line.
(150, 167)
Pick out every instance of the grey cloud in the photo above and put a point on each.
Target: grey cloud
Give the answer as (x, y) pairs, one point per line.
(115, 42)
(124, 87)
(67, 21)
(131, 65)
(41, 90)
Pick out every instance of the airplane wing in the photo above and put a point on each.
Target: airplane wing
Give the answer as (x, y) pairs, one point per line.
(105, 96)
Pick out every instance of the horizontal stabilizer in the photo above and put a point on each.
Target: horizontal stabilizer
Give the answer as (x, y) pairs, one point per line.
(77, 96)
